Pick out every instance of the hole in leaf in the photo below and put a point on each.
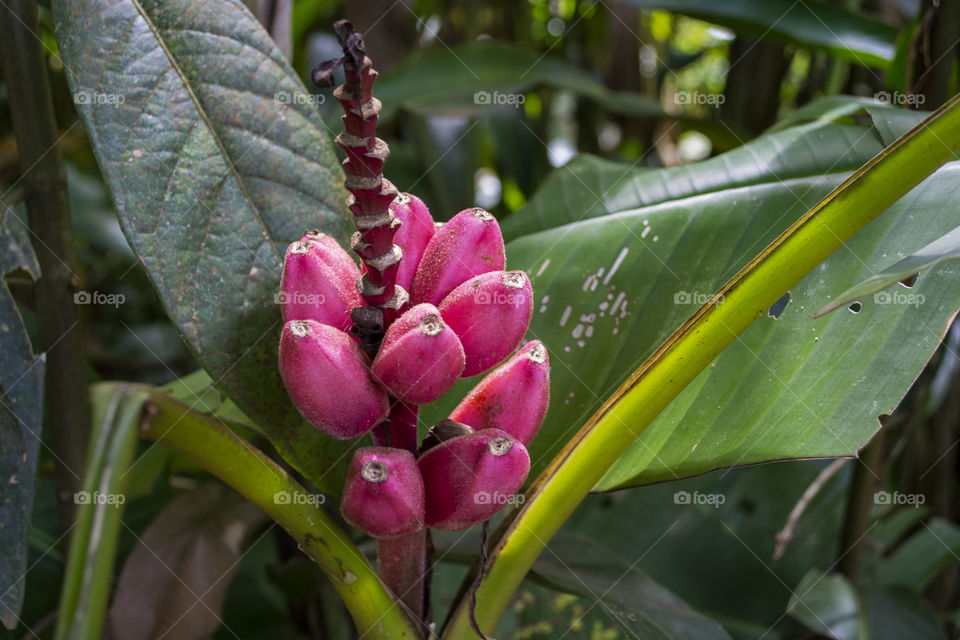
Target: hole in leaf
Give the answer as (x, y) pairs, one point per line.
(909, 281)
(855, 307)
(777, 308)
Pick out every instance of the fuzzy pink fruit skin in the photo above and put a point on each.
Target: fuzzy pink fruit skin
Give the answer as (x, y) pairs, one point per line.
(413, 236)
(466, 246)
(465, 483)
(514, 397)
(319, 282)
(389, 508)
(490, 314)
(420, 357)
(328, 379)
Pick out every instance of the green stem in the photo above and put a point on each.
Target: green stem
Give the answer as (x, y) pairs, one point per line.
(804, 245)
(93, 545)
(211, 445)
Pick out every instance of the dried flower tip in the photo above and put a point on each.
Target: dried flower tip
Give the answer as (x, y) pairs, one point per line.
(500, 445)
(374, 471)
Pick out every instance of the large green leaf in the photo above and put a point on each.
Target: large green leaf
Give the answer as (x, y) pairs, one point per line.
(611, 288)
(843, 33)
(828, 136)
(902, 173)
(215, 163)
(724, 209)
(21, 413)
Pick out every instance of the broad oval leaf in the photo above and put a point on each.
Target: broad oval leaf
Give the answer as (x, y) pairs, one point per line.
(215, 160)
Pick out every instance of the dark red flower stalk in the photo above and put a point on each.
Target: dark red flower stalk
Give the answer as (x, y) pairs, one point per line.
(370, 193)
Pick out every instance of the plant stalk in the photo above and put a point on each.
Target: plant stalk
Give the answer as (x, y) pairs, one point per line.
(45, 184)
(616, 425)
(370, 193)
(402, 562)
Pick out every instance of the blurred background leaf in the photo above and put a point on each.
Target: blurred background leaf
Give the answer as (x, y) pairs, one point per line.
(21, 411)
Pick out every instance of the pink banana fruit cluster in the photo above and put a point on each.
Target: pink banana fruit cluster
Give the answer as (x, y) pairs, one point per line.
(464, 315)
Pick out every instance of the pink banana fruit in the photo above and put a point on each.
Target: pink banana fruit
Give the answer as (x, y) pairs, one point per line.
(490, 313)
(328, 379)
(466, 246)
(420, 357)
(319, 282)
(471, 477)
(383, 496)
(513, 397)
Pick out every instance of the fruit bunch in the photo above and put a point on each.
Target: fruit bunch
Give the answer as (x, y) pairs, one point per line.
(464, 315)
(364, 347)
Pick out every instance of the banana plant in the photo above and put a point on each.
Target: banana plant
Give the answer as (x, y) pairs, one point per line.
(634, 327)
